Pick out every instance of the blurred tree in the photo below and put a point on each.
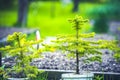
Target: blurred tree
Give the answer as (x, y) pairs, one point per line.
(101, 25)
(22, 12)
(76, 5)
(114, 9)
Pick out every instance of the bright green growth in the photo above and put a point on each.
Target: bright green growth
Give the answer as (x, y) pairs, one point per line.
(81, 44)
(117, 52)
(42, 76)
(24, 53)
(2, 73)
(99, 77)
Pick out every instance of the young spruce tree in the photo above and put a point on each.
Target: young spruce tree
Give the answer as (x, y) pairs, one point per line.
(24, 53)
(81, 44)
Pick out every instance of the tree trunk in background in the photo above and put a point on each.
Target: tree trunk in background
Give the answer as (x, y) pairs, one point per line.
(76, 5)
(22, 12)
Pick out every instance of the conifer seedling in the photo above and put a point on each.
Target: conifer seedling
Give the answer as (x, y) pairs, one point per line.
(24, 53)
(81, 44)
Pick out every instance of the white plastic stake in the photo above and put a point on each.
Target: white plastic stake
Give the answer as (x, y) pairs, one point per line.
(37, 37)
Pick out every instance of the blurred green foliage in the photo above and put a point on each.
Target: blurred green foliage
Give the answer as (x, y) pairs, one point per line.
(110, 8)
(101, 24)
(113, 9)
(100, 16)
(40, 16)
(50, 17)
(104, 13)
